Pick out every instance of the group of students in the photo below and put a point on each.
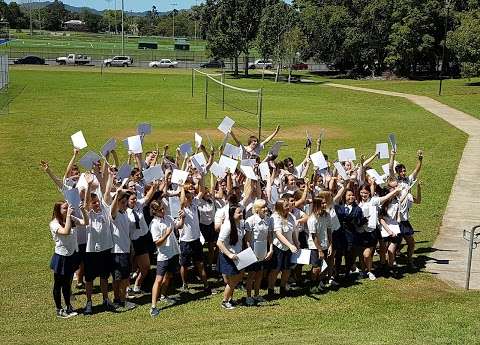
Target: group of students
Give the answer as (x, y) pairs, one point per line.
(119, 223)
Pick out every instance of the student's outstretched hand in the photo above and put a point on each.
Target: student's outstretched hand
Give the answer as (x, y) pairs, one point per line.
(233, 257)
(293, 249)
(420, 155)
(44, 165)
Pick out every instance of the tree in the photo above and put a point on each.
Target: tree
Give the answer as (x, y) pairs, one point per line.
(465, 43)
(93, 22)
(56, 15)
(12, 13)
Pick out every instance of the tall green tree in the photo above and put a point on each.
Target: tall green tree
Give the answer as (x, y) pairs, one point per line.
(56, 15)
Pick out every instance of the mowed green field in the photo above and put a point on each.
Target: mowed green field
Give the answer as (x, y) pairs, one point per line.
(49, 104)
(463, 94)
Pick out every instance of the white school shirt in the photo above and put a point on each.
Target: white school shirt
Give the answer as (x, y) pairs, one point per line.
(65, 245)
(206, 211)
(99, 229)
(121, 233)
(158, 228)
(319, 226)
(334, 219)
(404, 208)
(191, 227)
(299, 214)
(370, 211)
(224, 236)
(135, 233)
(286, 226)
(405, 182)
(252, 154)
(80, 229)
(259, 227)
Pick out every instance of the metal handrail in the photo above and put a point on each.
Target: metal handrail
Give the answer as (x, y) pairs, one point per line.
(473, 241)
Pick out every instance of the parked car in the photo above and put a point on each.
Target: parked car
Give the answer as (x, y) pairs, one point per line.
(74, 59)
(213, 64)
(299, 66)
(29, 60)
(163, 63)
(121, 61)
(267, 64)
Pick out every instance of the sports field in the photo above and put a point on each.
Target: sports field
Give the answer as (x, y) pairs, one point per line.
(49, 104)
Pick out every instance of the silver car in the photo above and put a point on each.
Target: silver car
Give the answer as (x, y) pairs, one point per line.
(120, 61)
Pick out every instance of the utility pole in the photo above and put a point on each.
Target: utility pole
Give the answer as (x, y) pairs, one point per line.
(173, 17)
(442, 70)
(195, 35)
(123, 32)
(30, 7)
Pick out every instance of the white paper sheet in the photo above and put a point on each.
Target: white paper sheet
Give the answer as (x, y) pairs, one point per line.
(199, 162)
(249, 162)
(383, 149)
(249, 173)
(276, 148)
(198, 140)
(341, 170)
(124, 171)
(179, 176)
(301, 257)
(264, 171)
(135, 144)
(185, 148)
(110, 145)
(376, 176)
(232, 151)
(324, 265)
(153, 173)
(385, 167)
(89, 159)
(393, 141)
(245, 258)
(174, 206)
(226, 125)
(346, 155)
(73, 197)
(78, 140)
(144, 128)
(217, 170)
(318, 160)
(228, 163)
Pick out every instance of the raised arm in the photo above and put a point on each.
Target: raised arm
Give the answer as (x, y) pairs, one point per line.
(418, 198)
(390, 195)
(339, 195)
(391, 168)
(55, 179)
(370, 159)
(67, 229)
(234, 137)
(88, 197)
(419, 165)
(300, 202)
(271, 136)
(107, 196)
(70, 164)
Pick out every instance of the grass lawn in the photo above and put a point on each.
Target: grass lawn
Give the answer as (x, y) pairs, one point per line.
(49, 104)
(463, 94)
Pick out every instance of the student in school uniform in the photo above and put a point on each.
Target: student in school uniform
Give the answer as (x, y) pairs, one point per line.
(206, 213)
(284, 244)
(254, 147)
(121, 249)
(229, 243)
(163, 229)
(319, 240)
(259, 228)
(98, 256)
(139, 232)
(65, 258)
(406, 230)
(190, 245)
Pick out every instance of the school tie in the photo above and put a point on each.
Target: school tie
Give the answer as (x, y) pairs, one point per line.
(137, 219)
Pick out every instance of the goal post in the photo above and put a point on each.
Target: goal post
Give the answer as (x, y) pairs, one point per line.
(227, 95)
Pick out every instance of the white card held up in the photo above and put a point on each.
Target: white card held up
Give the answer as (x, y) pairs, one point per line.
(393, 141)
(346, 155)
(245, 258)
(198, 140)
(383, 150)
(301, 257)
(385, 167)
(135, 144)
(318, 160)
(109, 146)
(89, 159)
(324, 265)
(179, 176)
(199, 162)
(153, 173)
(376, 177)
(78, 140)
(264, 171)
(341, 170)
(144, 128)
(174, 206)
(276, 148)
(232, 151)
(228, 163)
(73, 197)
(124, 171)
(217, 170)
(226, 125)
(185, 148)
(248, 172)
(249, 162)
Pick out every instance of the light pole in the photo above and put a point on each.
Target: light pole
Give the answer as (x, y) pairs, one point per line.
(195, 34)
(123, 33)
(442, 70)
(173, 18)
(30, 7)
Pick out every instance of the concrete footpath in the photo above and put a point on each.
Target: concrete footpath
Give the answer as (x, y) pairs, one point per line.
(448, 256)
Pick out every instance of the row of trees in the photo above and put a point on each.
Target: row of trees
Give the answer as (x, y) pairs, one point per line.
(363, 36)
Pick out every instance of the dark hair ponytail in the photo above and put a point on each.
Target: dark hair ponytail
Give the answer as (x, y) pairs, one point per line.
(233, 226)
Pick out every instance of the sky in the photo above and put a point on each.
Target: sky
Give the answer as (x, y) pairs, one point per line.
(130, 5)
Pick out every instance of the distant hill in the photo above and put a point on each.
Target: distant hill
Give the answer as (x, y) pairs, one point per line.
(75, 9)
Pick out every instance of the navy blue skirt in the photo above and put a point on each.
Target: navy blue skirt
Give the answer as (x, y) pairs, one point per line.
(65, 265)
(226, 265)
